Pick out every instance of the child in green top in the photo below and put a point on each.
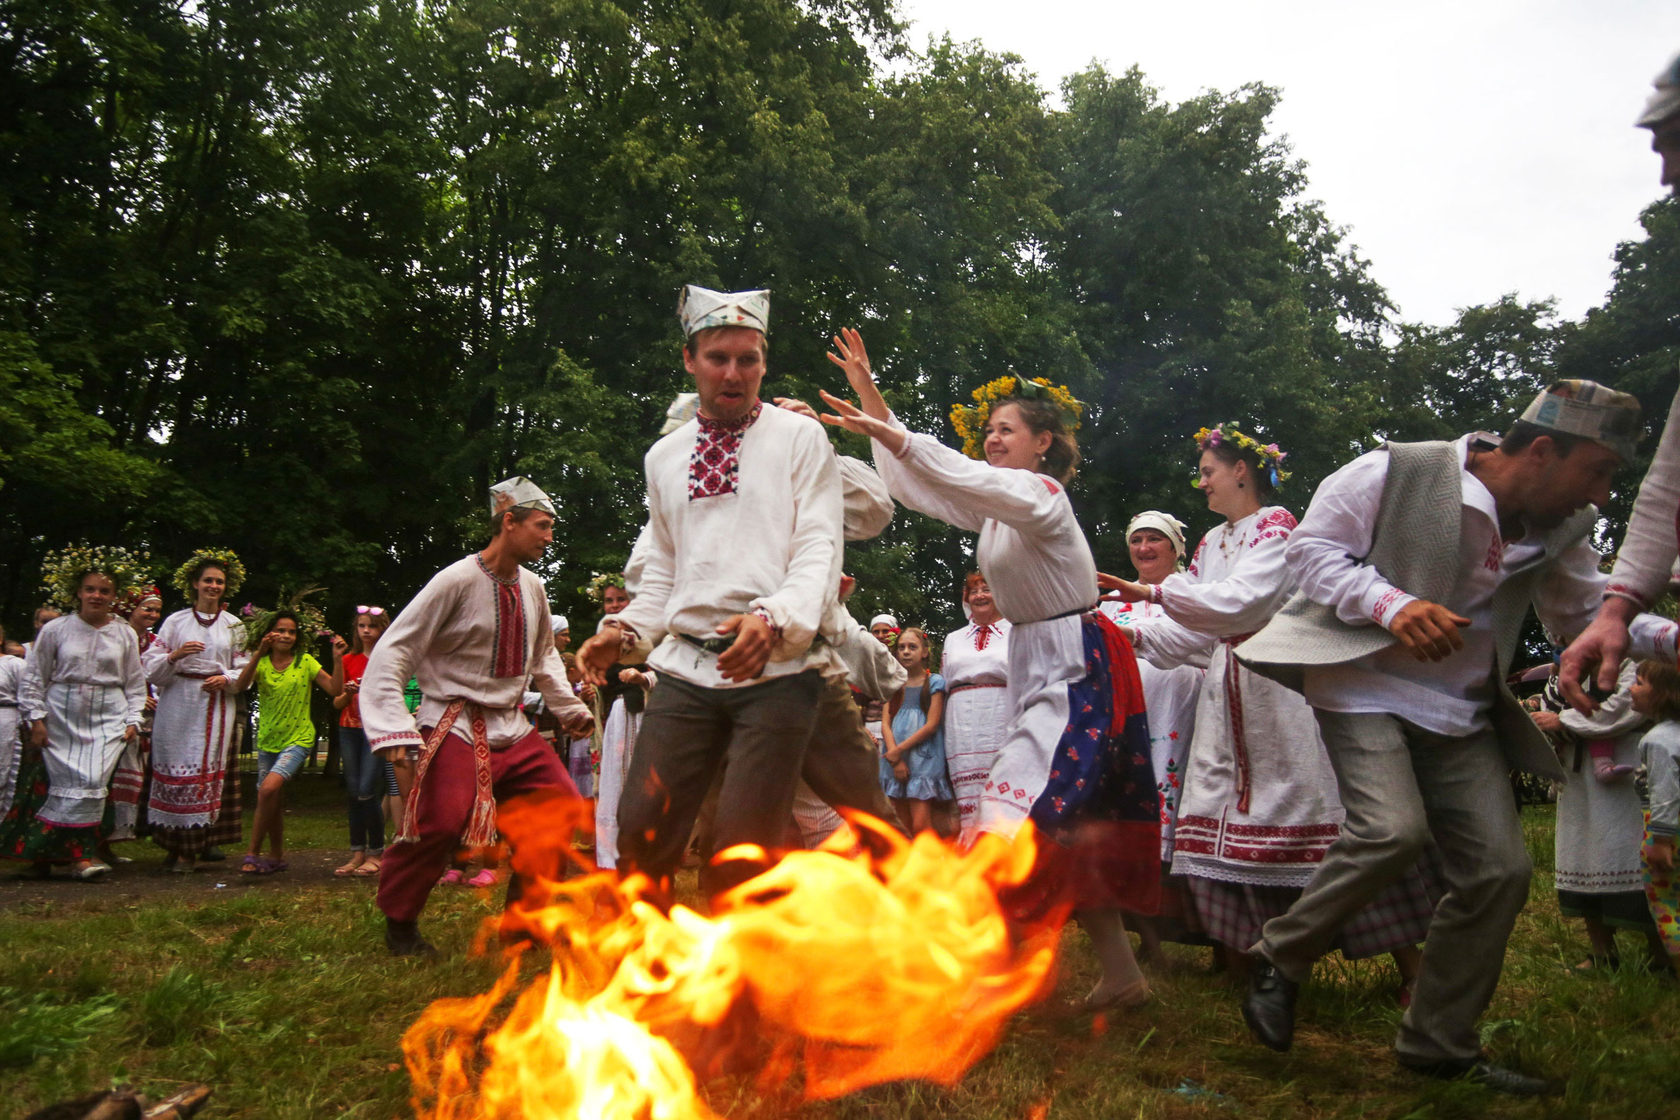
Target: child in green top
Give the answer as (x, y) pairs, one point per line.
(285, 733)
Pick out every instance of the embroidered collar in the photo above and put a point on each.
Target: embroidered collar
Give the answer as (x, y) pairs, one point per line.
(714, 466)
(722, 427)
(485, 568)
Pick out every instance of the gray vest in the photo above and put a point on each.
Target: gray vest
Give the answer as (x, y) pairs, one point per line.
(1415, 545)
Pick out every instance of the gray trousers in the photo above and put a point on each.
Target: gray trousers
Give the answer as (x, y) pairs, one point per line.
(841, 766)
(1402, 786)
(688, 733)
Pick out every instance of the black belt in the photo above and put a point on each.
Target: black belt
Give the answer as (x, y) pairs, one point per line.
(1066, 614)
(7, 704)
(723, 641)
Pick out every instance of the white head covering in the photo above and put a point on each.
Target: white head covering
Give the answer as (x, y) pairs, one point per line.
(557, 623)
(518, 492)
(883, 620)
(1664, 101)
(700, 308)
(1588, 409)
(1164, 523)
(682, 410)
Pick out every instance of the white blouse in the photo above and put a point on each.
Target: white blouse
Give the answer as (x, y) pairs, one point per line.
(70, 651)
(965, 662)
(1031, 548)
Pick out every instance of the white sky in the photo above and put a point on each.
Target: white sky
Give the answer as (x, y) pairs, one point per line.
(1471, 148)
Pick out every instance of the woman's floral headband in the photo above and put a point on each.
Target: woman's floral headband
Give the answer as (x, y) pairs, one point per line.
(596, 589)
(970, 420)
(1229, 435)
(223, 558)
(61, 571)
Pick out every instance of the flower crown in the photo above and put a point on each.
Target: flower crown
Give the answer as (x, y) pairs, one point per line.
(61, 571)
(970, 420)
(312, 620)
(1228, 434)
(598, 583)
(223, 558)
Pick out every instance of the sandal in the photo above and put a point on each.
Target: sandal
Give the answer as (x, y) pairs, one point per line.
(485, 878)
(254, 865)
(369, 868)
(1595, 963)
(276, 865)
(356, 861)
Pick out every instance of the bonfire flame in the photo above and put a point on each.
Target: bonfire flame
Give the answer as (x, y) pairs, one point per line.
(853, 966)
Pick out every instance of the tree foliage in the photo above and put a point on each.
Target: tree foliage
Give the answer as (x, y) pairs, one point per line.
(301, 278)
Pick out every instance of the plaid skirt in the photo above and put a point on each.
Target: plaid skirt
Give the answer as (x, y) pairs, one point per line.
(1232, 913)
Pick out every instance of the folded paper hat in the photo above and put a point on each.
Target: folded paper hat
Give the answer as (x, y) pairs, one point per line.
(1164, 523)
(1590, 410)
(701, 308)
(1664, 101)
(518, 492)
(682, 410)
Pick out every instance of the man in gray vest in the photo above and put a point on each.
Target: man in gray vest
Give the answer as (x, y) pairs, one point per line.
(1417, 564)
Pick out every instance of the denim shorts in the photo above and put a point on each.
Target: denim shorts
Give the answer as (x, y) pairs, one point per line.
(285, 762)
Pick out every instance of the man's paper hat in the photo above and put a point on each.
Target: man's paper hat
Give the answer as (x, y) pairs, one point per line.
(700, 308)
(518, 492)
(1588, 409)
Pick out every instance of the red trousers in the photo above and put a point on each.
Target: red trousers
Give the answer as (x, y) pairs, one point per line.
(409, 870)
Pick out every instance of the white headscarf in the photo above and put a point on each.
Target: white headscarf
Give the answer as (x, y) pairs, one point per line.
(1165, 524)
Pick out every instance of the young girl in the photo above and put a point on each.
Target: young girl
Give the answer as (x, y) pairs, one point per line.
(913, 734)
(1656, 693)
(364, 775)
(285, 733)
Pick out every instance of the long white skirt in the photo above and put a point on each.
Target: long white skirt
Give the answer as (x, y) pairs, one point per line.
(976, 720)
(618, 743)
(85, 724)
(11, 755)
(192, 737)
(1293, 813)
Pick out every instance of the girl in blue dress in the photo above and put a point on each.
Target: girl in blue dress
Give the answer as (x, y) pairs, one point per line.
(914, 734)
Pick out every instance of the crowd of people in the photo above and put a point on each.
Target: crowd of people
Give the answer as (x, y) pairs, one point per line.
(1296, 738)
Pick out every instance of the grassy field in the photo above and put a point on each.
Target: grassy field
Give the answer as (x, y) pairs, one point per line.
(279, 995)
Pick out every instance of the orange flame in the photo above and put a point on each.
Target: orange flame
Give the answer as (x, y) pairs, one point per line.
(856, 967)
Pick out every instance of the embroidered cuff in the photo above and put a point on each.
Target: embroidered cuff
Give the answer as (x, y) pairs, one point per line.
(1155, 595)
(1652, 636)
(396, 739)
(775, 630)
(1623, 591)
(1389, 604)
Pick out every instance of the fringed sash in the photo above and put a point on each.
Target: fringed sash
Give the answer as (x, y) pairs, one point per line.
(481, 826)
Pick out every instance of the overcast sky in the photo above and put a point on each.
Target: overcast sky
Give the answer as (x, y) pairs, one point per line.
(1472, 148)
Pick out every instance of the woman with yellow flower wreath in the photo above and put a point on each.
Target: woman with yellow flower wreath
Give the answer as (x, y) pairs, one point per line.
(1259, 805)
(82, 699)
(1075, 756)
(194, 806)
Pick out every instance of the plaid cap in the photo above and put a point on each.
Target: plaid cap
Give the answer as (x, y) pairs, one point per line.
(1664, 102)
(1588, 409)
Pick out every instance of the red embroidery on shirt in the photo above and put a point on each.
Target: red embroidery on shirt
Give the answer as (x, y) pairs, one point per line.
(1384, 603)
(714, 466)
(1196, 557)
(1278, 523)
(1054, 489)
(982, 634)
(1496, 550)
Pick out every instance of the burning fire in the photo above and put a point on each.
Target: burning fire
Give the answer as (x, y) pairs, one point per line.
(854, 967)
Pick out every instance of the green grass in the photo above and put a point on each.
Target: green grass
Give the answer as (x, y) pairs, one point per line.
(285, 1002)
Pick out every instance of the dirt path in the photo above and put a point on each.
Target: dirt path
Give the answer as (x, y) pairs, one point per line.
(145, 880)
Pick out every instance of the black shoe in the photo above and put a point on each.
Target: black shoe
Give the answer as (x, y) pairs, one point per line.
(1484, 1072)
(1269, 1007)
(212, 855)
(404, 940)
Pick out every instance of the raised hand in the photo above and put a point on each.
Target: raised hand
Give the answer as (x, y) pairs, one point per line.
(851, 356)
